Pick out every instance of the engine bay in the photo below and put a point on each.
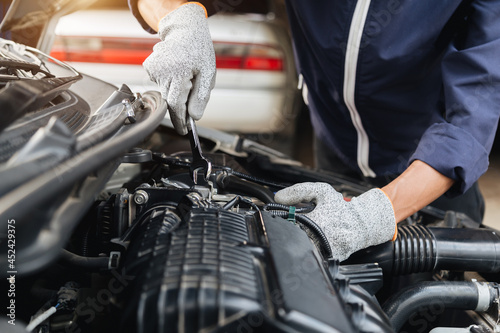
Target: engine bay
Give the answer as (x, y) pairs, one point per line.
(161, 254)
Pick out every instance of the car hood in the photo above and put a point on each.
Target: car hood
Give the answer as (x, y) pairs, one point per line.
(59, 128)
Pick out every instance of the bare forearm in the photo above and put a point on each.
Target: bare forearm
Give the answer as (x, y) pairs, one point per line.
(153, 11)
(415, 188)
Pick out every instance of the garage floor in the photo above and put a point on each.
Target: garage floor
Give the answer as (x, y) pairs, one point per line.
(490, 187)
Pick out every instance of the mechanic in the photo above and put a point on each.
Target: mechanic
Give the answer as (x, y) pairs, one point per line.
(399, 91)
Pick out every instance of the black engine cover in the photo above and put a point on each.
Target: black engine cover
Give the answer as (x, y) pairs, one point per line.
(221, 271)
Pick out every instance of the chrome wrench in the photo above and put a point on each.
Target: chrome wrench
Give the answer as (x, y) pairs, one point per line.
(199, 162)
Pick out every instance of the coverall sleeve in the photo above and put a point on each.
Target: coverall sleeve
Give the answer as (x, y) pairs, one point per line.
(135, 11)
(458, 144)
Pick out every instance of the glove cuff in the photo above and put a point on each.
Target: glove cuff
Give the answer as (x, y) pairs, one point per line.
(189, 14)
(381, 220)
(199, 4)
(394, 212)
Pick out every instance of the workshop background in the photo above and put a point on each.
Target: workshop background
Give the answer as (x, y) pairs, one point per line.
(490, 186)
(256, 92)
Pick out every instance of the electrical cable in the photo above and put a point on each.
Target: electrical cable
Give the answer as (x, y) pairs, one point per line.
(277, 206)
(283, 211)
(41, 318)
(232, 183)
(306, 221)
(311, 225)
(239, 199)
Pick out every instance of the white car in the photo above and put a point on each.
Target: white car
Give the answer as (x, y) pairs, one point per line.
(256, 83)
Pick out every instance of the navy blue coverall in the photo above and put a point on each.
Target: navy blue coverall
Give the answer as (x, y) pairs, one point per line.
(397, 80)
(392, 81)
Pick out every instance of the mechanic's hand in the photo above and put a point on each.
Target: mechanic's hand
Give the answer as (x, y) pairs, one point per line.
(183, 63)
(364, 221)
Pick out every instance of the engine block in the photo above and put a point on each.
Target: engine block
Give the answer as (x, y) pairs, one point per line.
(215, 270)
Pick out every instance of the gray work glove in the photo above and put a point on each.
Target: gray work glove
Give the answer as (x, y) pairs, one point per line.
(183, 63)
(364, 221)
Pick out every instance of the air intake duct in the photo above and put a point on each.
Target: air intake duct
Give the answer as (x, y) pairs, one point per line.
(420, 249)
(450, 295)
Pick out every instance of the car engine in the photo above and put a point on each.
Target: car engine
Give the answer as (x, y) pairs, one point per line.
(103, 229)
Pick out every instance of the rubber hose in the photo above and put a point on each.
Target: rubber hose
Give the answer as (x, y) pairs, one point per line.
(420, 249)
(450, 295)
(257, 180)
(233, 183)
(92, 263)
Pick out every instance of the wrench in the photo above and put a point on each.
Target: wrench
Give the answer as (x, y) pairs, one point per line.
(199, 162)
